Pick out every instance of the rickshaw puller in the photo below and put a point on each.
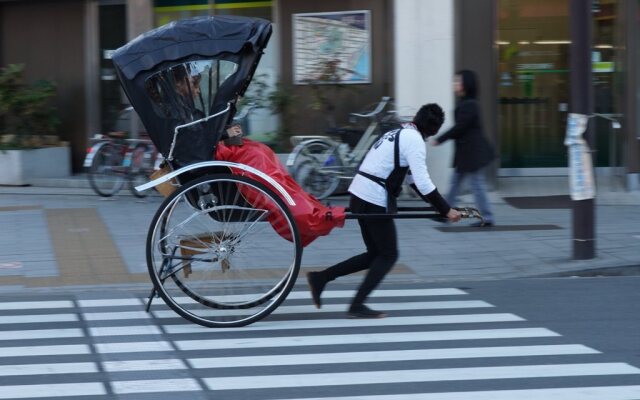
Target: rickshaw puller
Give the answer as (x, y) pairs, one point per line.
(392, 156)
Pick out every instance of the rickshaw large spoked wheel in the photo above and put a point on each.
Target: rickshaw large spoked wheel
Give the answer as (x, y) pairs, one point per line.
(223, 251)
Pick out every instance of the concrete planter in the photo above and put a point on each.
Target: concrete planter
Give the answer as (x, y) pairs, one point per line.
(21, 167)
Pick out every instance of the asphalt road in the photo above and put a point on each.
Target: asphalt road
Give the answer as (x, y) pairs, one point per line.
(559, 338)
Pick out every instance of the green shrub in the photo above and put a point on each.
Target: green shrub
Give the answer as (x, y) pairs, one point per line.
(27, 117)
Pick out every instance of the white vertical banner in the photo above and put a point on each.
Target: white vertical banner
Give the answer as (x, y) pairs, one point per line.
(581, 182)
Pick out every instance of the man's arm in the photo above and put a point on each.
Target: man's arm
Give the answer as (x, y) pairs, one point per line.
(413, 148)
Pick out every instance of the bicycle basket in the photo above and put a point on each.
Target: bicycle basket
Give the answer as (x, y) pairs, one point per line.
(190, 72)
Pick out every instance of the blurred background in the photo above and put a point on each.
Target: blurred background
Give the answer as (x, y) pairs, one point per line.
(332, 57)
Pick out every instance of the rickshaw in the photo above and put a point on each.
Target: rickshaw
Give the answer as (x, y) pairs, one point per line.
(223, 249)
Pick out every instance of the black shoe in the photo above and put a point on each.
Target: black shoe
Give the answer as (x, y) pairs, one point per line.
(362, 311)
(482, 224)
(316, 285)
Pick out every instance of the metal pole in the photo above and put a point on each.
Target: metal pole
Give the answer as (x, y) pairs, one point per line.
(582, 103)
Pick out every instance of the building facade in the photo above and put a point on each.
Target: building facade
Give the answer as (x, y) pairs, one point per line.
(519, 48)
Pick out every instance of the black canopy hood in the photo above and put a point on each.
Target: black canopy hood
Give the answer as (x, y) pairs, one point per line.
(156, 56)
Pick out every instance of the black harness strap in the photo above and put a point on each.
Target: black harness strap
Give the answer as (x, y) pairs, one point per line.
(393, 183)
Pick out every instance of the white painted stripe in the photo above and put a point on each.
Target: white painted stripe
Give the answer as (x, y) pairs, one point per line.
(156, 386)
(32, 305)
(394, 337)
(41, 334)
(48, 369)
(309, 308)
(417, 305)
(110, 316)
(109, 302)
(335, 294)
(133, 347)
(143, 365)
(573, 393)
(26, 351)
(352, 323)
(34, 319)
(419, 375)
(125, 330)
(342, 294)
(385, 356)
(52, 390)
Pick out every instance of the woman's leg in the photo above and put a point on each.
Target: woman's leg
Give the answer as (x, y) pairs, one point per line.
(456, 182)
(479, 188)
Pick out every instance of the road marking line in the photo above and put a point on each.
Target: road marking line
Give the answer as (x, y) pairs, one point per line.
(38, 318)
(578, 393)
(109, 302)
(53, 390)
(419, 375)
(388, 356)
(48, 369)
(308, 308)
(335, 294)
(144, 365)
(352, 323)
(394, 337)
(110, 316)
(133, 347)
(27, 305)
(125, 330)
(342, 294)
(11, 265)
(41, 334)
(156, 386)
(25, 351)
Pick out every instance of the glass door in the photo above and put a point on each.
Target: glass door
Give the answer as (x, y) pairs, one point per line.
(533, 82)
(533, 41)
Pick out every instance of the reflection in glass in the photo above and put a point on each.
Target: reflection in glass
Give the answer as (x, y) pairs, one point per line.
(187, 92)
(533, 82)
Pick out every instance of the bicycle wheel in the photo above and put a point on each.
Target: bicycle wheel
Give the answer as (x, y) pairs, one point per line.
(223, 251)
(317, 169)
(107, 171)
(141, 168)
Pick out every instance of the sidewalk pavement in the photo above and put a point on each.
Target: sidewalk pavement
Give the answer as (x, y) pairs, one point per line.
(59, 234)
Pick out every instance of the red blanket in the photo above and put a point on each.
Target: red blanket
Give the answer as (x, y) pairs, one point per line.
(312, 217)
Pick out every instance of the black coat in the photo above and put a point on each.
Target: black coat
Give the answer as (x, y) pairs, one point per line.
(472, 150)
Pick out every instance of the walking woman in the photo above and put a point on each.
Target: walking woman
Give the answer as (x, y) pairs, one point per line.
(472, 150)
(373, 191)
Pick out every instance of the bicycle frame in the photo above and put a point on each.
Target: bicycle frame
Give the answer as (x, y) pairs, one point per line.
(320, 163)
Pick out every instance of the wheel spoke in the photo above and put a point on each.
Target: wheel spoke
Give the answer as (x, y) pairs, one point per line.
(220, 239)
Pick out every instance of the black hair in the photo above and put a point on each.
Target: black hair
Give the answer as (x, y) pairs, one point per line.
(429, 119)
(469, 83)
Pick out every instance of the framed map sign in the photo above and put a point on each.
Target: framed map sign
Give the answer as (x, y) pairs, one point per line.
(332, 47)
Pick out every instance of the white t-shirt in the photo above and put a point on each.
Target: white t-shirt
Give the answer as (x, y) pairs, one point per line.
(379, 162)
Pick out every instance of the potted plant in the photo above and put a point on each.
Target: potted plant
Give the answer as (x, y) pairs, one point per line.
(29, 146)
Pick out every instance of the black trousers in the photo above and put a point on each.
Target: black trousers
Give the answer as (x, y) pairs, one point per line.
(381, 241)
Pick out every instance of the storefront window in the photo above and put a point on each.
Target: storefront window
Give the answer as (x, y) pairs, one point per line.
(534, 81)
(607, 84)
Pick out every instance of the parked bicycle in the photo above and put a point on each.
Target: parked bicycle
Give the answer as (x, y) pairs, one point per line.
(321, 163)
(114, 160)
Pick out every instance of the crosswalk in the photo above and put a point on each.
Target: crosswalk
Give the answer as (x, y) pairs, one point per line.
(437, 344)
